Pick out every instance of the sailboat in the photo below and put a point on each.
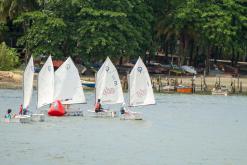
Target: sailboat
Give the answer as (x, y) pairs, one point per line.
(27, 91)
(108, 88)
(139, 89)
(45, 88)
(67, 89)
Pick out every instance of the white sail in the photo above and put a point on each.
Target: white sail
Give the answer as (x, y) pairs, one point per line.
(140, 87)
(108, 85)
(46, 84)
(28, 83)
(68, 87)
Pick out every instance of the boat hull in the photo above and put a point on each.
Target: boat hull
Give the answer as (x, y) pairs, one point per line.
(88, 84)
(21, 119)
(38, 117)
(220, 93)
(106, 114)
(131, 116)
(74, 113)
(184, 90)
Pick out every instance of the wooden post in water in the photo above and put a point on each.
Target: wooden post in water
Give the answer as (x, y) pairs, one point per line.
(193, 84)
(233, 87)
(215, 85)
(159, 82)
(204, 82)
(219, 81)
(240, 89)
(201, 83)
(238, 83)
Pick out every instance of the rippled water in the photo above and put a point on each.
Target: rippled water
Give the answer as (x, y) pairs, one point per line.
(179, 130)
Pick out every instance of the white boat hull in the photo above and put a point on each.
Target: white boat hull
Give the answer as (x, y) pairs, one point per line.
(38, 117)
(219, 92)
(21, 119)
(106, 114)
(74, 113)
(131, 116)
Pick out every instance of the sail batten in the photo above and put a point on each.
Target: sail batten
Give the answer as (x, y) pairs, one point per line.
(68, 87)
(46, 84)
(140, 87)
(28, 83)
(108, 84)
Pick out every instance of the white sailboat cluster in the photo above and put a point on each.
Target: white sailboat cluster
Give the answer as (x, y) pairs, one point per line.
(109, 90)
(65, 85)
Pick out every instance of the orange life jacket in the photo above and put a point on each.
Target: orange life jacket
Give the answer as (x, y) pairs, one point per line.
(97, 106)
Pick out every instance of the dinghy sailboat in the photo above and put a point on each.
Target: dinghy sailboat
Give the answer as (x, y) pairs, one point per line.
(27, 92)
(139, 89)
(108, 88)
(67, 89)
(45, 87)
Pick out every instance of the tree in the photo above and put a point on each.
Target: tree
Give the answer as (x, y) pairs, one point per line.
(113, 28)
(8, 57)
(12, 8)
(44, 34)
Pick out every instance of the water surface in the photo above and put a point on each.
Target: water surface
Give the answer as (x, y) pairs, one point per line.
(179, 130)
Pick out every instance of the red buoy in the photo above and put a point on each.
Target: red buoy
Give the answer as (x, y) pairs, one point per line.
(56, 109)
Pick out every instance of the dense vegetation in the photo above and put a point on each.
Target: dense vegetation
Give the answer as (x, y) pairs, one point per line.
(196, 30)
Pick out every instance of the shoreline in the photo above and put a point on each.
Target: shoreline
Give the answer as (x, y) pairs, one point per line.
(13, 80)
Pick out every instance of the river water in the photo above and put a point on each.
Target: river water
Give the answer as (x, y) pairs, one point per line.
(179, 130)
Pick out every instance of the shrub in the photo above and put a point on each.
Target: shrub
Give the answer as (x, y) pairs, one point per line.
(8, 57)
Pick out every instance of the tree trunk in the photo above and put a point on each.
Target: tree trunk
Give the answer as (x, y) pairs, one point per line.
(191, 52)
(236, 59)
(208, 59)
(216, 54)
(121, 61)
(196, 56)
(233, 56)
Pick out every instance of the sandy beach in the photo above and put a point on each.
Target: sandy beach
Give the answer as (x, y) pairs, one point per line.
(13, 80)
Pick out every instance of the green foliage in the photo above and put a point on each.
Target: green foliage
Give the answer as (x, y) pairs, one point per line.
(8, 57)
(3, 29)
(214, 23)
(93, 29)
(12, 8)
(45, 35)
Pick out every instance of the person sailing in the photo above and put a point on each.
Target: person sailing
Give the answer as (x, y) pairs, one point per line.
(8, 114)
(98, 107)
(20, 109)
(122, 110)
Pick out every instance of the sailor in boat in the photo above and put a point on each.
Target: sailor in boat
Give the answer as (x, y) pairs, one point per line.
(98, 107)
(20, 109)
(123, 110)
(25, 111)
(8, 114)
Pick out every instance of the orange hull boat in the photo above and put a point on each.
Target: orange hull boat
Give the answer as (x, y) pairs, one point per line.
(184, 89)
